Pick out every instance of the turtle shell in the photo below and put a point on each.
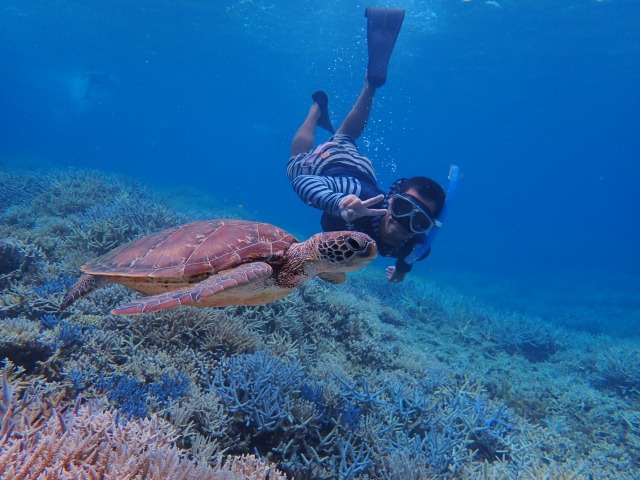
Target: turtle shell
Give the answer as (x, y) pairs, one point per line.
(193, 250)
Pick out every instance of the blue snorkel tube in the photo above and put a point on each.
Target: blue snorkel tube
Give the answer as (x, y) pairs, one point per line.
(421, 248)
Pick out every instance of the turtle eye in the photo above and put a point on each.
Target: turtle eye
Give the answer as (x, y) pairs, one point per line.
(355, 244)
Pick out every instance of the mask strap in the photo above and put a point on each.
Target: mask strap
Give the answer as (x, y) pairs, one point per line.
(395, 186)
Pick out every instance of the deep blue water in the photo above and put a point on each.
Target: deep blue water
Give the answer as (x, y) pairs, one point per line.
(537, 101)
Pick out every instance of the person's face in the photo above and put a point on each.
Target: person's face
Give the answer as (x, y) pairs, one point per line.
(391, 231)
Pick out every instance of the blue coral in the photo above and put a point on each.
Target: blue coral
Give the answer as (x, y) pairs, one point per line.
(129, 394)
(169, 387)
(54, 285)
(78, 378)
(50, 320)
(69, 335)
(259, 387)
(618, 369)
(132, 395)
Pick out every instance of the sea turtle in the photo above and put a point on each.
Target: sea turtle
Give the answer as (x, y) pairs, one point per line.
(214, 263)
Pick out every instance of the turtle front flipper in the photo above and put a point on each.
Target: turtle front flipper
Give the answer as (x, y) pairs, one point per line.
(225, 280)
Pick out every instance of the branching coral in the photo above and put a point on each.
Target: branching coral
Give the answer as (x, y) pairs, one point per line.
(27, 299)
(259, 387)
(619, 369)
(370, 351)
(42, 440)
(20, 187)
(29, 286)
(23, 342)
(68, 192)
(101, 228)
(532, 338)
(17, 259)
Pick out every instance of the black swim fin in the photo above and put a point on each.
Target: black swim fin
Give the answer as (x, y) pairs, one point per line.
(383, 26)
(322, 100)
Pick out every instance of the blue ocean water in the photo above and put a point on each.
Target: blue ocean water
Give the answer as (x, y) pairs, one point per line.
(537, 101)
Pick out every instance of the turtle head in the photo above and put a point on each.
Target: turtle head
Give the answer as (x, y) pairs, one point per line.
(342, 251)
(327, 255)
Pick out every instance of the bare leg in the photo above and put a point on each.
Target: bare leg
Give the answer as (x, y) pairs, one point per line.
(303, 139)
(356, 121)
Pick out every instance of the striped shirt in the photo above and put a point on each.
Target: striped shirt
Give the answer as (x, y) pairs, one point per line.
(323, 176)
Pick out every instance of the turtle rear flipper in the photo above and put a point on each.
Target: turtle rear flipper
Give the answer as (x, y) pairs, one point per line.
(84, 285)
(242, 275)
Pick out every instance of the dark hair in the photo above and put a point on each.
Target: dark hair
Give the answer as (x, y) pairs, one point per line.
(427, 189)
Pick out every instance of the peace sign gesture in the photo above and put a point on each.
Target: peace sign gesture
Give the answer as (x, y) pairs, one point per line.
(352, 208)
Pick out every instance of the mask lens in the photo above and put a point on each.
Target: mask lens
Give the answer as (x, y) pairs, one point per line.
(401, 206)
(420, 222)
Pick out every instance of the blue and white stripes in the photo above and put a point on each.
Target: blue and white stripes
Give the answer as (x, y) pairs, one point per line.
(325, 193)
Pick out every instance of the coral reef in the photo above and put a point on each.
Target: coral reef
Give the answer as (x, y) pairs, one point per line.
(363, 380)
(40, 439)
(618, 369)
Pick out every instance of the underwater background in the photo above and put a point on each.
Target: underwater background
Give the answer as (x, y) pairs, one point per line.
(511, 352)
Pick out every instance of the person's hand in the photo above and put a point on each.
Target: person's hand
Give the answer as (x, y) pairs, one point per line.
(393, 275)
(352, 208)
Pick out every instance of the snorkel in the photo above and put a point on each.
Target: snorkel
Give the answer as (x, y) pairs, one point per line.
(421, 248)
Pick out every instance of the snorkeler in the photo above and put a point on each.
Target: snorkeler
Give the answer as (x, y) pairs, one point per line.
(337, 179)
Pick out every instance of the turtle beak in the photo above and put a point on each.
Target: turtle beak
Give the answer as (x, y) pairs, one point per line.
(370, 250)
